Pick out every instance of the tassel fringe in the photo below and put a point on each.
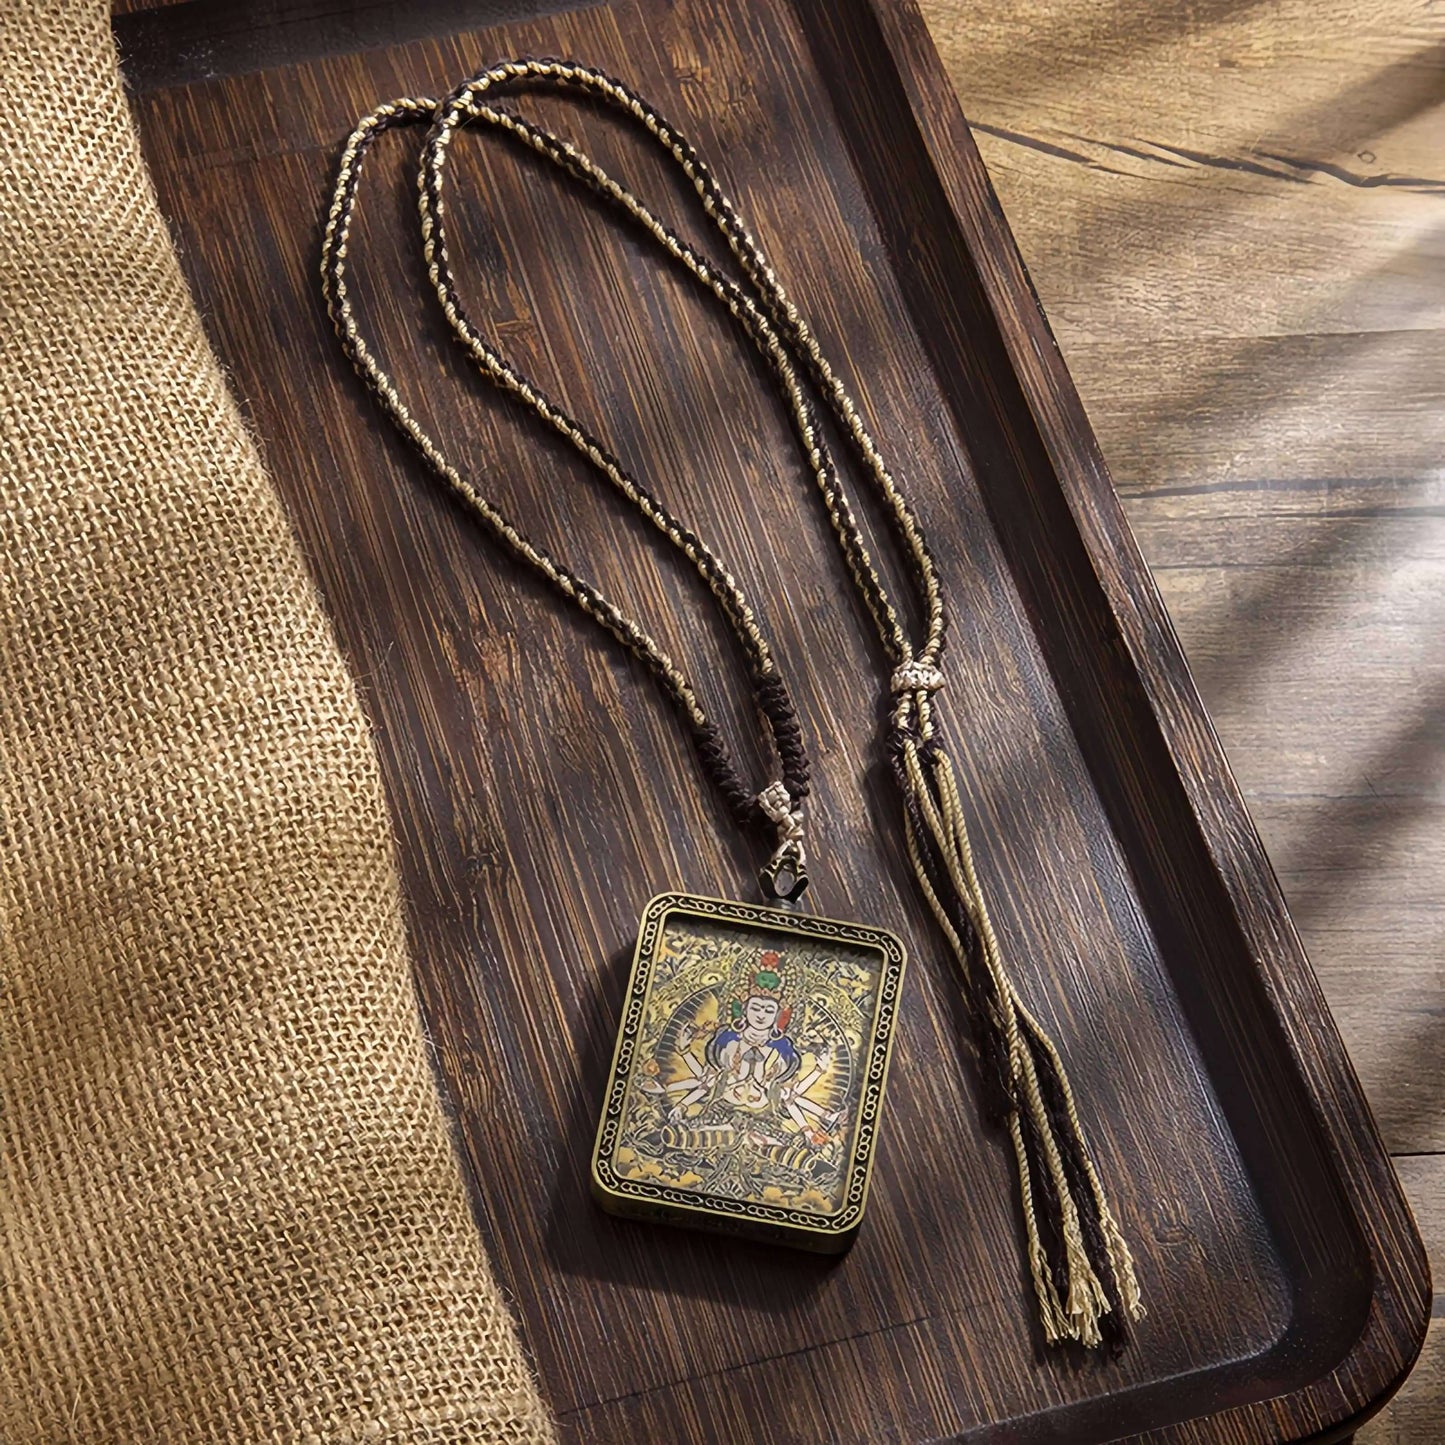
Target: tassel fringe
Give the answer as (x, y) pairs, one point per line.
(1080, 1263)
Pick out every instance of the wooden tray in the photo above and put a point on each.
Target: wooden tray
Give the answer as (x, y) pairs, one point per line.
(541, 792)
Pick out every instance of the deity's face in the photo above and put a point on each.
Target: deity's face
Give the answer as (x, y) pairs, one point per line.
(761, 1014)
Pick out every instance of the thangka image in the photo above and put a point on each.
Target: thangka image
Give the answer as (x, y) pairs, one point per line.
(750, 1066)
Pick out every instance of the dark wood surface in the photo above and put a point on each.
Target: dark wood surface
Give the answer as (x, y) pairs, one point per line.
(541, 792)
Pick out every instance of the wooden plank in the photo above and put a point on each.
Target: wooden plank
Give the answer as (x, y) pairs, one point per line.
(1416, 1416)
(1235, 218)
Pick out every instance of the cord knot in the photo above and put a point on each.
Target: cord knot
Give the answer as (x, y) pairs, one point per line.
(908, 680)
(916, 677)
(784, 874)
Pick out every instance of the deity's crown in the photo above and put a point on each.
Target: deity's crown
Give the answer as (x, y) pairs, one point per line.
(767, 981)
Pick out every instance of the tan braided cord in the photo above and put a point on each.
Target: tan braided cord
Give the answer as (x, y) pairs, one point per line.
(229, 1209)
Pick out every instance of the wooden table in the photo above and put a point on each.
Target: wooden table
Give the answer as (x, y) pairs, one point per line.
(1235, 218)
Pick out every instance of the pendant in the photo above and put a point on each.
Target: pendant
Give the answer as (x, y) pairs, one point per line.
(747, 1083)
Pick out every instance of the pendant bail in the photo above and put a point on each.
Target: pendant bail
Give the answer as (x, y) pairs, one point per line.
(784, 876)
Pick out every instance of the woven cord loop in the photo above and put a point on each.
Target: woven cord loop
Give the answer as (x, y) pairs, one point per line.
(784, 875)
(1082, 1272)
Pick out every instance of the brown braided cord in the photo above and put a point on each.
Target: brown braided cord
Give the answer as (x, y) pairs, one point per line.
(1080, 1263)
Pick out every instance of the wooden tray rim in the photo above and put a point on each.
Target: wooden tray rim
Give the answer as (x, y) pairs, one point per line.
(1362, 1382)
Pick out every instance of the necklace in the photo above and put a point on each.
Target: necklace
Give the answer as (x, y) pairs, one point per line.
(749, 1074)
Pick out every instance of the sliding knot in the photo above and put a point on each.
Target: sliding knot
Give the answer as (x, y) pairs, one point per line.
(916, 677)
(907, 683)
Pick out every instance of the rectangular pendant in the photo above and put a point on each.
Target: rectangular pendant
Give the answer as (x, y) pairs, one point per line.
(747, 1083)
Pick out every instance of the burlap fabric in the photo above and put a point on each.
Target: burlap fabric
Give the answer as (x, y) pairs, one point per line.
(228, 1205)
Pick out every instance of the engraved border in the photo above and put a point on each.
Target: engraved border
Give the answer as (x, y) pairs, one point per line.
(875, 1078)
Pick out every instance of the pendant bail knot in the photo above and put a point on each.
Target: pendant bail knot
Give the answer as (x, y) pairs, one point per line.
(784, 874)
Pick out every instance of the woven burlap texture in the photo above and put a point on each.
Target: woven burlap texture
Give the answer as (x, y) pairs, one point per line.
(229, 1209)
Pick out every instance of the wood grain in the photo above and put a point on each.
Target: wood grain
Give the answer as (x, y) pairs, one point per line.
(1414, 1416)
(541, 792)
(1235, 218)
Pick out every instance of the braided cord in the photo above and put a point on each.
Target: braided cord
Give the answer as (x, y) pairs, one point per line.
(770, 689)
(1078, 1258)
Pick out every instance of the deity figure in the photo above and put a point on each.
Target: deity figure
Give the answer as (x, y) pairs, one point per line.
(750, 1064)
(754, 1053)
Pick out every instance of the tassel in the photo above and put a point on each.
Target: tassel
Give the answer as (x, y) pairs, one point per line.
(1079, 1262)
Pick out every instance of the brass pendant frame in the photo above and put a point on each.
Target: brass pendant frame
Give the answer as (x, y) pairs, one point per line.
(748, 1079)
